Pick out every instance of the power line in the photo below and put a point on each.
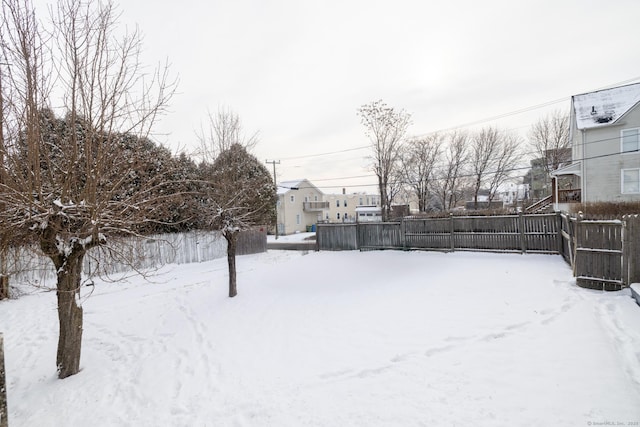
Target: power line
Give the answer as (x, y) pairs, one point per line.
(469, 124)
(470, 175)
(326, 154)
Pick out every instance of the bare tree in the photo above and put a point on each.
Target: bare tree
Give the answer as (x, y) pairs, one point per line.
(493, 155)
(4, 241)
(419, 160)
(385, 128)
(78, 183)
(505, 163)
(242, 196)
(450, 177)
(24, 75)
(549, 138)
(223, 130)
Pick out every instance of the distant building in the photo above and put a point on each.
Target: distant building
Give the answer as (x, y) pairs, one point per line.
(540, 180)
(514, 195)
(605, 138)
(343, 207)
(299, 207)
(484, 203)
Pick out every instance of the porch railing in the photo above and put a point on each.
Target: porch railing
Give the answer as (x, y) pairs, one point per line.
(573, 195)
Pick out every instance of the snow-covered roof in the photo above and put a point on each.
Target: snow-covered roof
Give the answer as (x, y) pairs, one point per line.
(286, 186)
(604, 107)
(296, 184)
(572, 169)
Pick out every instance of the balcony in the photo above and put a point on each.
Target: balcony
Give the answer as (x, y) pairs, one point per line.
(315, 206)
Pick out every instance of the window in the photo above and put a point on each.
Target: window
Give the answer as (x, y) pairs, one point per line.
(292, 198)
(315, 198)
(630, 140)
(338, 215)
(630, 181)
(337, 203)
(360, 201)
(306, 199)
(298, 219)
(345, 203)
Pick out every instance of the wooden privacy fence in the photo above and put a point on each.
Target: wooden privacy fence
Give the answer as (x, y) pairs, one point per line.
(603, 254)
(505, 233)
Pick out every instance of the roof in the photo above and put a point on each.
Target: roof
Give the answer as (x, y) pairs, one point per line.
(604, 107)
(286, 186)
(572, 169)
(296, 184)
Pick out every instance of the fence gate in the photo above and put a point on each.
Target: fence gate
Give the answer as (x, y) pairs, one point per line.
(598, 255)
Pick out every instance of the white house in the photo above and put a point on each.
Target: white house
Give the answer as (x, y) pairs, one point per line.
(605, 137)
(343, 207)
(300, 206)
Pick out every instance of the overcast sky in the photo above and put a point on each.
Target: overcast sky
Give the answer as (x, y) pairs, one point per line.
(297, 70)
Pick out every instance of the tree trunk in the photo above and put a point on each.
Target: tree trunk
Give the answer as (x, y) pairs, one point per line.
(4, 275)
(232, 242)
(4, 286)
(69, 316)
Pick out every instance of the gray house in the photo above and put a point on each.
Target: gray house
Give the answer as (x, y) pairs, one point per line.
(605, 137)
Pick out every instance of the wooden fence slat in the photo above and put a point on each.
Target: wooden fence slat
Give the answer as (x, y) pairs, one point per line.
(631, 248)
(601, 253)
(495, 233)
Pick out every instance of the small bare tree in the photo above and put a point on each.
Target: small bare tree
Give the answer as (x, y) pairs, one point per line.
(77, 183)
(419, 160)
(385, 128)
(450, 178)
(241, 196)
(549, 139)
(493, 156)
(505, 163)
(224, 129)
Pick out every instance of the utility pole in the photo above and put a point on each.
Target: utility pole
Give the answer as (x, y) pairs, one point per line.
(274, 163)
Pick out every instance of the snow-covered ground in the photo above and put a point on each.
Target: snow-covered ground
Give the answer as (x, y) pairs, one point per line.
(290, 238)
(335, 339)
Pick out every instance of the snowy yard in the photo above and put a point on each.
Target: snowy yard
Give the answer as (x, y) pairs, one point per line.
(335, 339)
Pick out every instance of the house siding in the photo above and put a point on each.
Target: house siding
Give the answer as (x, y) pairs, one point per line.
(289, 212)
(602, 166)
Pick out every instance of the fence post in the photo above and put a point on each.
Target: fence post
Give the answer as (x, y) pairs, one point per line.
(523, 243)
(560, 237)
(403, 234)
(631, 249)
(451, 229)
(4, 413)
(577, 242)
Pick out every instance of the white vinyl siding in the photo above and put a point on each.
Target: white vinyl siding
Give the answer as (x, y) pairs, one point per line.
(630, 181)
